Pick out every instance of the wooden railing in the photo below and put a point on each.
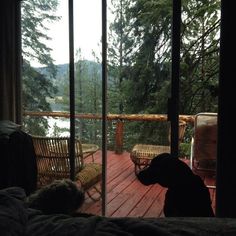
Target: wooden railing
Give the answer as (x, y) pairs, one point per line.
(120, 118)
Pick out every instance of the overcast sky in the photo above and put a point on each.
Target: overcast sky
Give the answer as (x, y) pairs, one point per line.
(87, 30)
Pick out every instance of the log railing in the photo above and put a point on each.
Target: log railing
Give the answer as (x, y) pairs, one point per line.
(118, 117)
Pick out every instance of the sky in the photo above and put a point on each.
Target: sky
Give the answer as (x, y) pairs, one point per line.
(87, 30)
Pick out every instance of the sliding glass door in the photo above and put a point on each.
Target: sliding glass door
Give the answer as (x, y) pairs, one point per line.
(62, 79)
(115, 74)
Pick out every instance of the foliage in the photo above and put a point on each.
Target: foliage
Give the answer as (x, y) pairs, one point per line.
(36, 87)
(185, 150)
(35, 16)
(139, 63)
(138, 68)
(119, 54)
(88, 97)
(141, 50)
(200, 56)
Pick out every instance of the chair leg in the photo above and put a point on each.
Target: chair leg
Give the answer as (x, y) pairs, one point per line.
(139, 167)
(92, 158)
(136, 169)
(92, 197)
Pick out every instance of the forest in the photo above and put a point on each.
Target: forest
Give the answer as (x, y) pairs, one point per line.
(139, 67)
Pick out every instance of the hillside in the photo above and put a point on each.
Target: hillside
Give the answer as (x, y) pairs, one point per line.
(62, 73)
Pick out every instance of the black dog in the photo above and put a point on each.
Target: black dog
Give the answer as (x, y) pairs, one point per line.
(59, 197)
(187, 195)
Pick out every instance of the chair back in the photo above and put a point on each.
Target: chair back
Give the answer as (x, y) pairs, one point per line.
(204, 148)
(52, 155)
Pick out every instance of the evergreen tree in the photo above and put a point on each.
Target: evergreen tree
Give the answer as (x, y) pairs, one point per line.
(88, 96)
(151, 24)
(200, 56)
(147, 85)
(36, 87)
(148, 72)
(36, 14)
(119, 54)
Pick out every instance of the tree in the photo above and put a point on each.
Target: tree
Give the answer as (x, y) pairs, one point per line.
(147, 85)
(88, 96)
(200, 56)
(119, 52)
(35, 16)
(146, 48)
(37, 87)
(149, 73)
(151, 24)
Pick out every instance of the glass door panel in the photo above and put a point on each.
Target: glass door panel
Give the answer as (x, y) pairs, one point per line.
(139, 62)
(88, 89)
(46, 84)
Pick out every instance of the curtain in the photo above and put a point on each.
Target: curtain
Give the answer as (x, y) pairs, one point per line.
(10, 61)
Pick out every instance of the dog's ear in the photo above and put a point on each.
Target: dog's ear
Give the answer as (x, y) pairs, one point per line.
(146, 177)
(183, 172)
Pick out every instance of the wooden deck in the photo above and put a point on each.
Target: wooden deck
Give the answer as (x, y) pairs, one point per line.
(126, 196)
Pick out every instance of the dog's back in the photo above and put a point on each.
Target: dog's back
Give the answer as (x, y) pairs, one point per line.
(187, 194)
(192, 200)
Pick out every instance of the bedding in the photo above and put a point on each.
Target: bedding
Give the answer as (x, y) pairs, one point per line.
(17, 219)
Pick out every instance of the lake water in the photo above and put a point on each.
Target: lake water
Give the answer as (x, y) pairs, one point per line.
(60, 123)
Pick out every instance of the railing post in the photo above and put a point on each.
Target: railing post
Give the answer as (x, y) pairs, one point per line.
(119, 137)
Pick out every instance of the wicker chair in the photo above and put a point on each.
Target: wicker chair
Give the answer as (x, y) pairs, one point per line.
(52, 155)
(142, 154)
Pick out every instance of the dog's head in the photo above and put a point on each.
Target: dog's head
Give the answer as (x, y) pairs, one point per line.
(59, 197)
(166, 171)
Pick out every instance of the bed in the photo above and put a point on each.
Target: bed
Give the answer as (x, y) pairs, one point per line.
(17, 219)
